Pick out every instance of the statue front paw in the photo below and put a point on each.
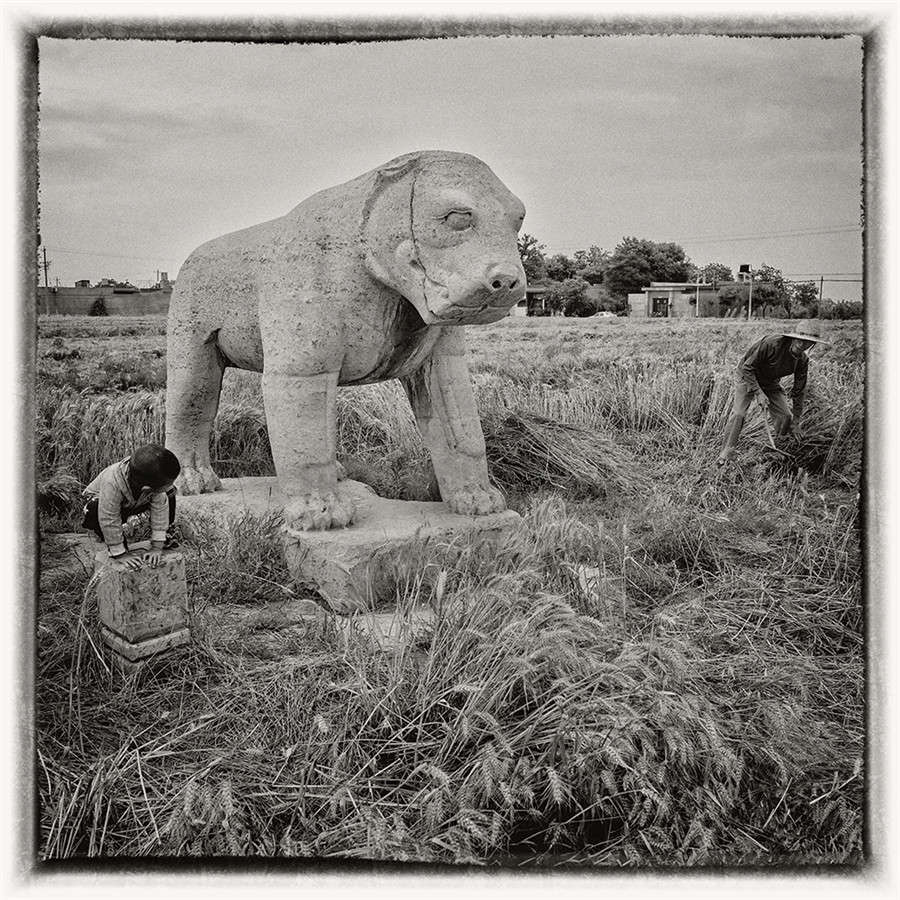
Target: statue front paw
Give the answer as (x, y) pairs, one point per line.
(318, 512)
(197, 480)
(476, 502)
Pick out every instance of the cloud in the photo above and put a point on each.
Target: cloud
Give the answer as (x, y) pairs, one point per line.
(197, 139)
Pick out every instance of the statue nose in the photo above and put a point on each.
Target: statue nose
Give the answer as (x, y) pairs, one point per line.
(501, 278)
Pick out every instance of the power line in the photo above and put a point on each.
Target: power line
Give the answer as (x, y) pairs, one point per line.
(808, 232)
(797, 232)
(73, 252)
(827, 280)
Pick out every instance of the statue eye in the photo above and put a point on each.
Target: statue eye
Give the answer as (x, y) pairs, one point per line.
(459, 219)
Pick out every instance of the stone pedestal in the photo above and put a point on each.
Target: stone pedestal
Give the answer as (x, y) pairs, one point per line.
(356, 567)
(388, 631)
(143, 612)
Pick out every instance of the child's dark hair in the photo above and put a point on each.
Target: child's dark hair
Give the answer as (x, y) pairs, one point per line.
(154, 464)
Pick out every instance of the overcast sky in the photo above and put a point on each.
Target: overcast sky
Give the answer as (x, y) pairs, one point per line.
(728, 146)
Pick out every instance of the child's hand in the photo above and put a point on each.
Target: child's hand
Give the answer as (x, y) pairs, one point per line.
(129, 560)
(153, 556)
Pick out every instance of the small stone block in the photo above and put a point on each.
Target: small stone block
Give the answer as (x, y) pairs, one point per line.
(126, 666)
(143, 603)
(598, 584)
(142, 649)
(284, 613)
(387, 630)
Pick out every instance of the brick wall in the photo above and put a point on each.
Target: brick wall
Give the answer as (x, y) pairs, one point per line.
(72, 301)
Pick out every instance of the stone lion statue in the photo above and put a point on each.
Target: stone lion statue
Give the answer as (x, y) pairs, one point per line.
(361, 282)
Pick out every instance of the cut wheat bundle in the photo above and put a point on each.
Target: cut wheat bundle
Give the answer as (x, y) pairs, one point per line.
(831, 438)
(526, 450)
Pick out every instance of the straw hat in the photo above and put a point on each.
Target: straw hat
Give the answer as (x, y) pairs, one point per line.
(807, 330)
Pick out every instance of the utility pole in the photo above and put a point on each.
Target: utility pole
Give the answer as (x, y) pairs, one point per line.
(46, 266)
(750, 298)
(821, 282)
(697, 298)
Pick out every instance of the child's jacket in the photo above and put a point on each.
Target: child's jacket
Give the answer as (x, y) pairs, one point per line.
(115, 501)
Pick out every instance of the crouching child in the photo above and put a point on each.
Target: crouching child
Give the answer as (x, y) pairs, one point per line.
(140, 482)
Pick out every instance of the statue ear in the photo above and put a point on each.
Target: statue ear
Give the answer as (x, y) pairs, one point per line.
(388, 174)
(396, 168)
(387, 224)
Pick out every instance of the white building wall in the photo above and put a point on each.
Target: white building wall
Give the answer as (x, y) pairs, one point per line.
(637, 305)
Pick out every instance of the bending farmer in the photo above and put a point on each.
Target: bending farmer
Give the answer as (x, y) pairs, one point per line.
(759, 375)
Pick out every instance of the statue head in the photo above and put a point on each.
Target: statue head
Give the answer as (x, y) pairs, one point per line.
(440, 228)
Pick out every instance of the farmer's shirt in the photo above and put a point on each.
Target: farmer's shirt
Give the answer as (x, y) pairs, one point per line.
(115, 502)
(767, 362)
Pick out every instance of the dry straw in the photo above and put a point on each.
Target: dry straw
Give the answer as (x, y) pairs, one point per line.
(526, 449)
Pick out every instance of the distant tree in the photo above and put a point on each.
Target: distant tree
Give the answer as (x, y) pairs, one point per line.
(532, 255)
(770, 294)
(570, 298)
(804, 300)
(607, 301)
(636, 262)
(769, 275)
(840, 309)
(767, 300)
(733, 299)
(713, 273)
(766, 296)
(560, 267)
(591, 264)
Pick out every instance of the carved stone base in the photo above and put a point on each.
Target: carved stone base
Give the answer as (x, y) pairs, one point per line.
(357, 567)
(142, 612)
(129, 656)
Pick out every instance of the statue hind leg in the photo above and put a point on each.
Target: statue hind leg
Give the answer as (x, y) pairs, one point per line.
(193, 382)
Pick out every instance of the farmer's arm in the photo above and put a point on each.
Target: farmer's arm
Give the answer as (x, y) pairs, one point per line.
(109, 515)
(799, 386)
(747, 367)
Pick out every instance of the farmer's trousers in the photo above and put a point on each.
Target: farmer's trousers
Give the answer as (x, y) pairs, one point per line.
(779, 410)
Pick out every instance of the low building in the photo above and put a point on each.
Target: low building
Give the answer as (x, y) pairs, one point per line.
(520, 309)
(116, 298)
(674, 299)
(535, 302)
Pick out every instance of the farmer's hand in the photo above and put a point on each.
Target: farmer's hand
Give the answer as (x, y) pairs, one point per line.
(153, 556)
(763, 401)
(129, 560)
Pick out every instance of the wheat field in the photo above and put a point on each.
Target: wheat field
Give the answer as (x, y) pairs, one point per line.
(696, 700)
